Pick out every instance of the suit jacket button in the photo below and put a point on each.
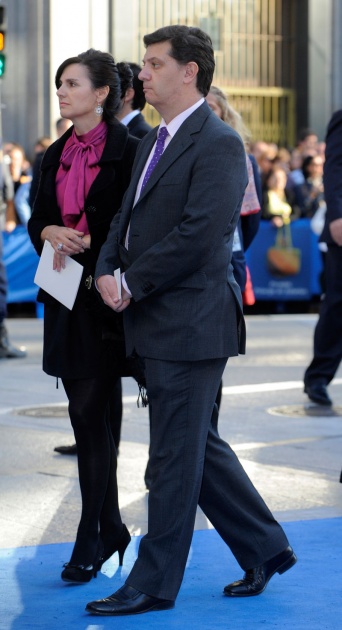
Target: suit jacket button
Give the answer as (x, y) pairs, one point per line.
(91, 209)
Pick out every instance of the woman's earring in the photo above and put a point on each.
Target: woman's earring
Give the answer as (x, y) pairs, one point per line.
(99, 109)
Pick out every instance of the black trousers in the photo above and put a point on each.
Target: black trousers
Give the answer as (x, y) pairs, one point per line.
(97, 462)
(327, 352)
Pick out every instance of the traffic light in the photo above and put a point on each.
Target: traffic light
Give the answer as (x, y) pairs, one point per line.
(2, 41)
(2, 64)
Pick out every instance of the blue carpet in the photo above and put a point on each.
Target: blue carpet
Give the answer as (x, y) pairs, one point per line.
(306, 597)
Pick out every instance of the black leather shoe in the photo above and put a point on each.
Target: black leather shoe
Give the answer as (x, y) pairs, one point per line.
(255, 580)
(66, 450)
(128, 601)
(318, 394)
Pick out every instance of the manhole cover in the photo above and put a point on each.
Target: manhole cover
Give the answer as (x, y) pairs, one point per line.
(49, 411)
(302, 411)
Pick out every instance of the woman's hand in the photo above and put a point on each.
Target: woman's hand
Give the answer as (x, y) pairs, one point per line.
(277, 221)
(66, 242)
(10, 226)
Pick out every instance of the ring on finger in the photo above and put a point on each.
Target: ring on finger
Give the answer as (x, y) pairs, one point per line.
(59, 246)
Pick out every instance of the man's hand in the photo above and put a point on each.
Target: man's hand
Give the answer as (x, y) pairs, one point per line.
(336, 231)
(109, 293)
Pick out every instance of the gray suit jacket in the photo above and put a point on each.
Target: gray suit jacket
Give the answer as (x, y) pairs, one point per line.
(186, 304)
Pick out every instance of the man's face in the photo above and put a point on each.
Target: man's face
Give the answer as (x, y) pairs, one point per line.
(162, 77)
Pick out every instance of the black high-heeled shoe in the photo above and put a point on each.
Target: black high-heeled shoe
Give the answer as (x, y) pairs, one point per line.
(80, 574)
(120, 545)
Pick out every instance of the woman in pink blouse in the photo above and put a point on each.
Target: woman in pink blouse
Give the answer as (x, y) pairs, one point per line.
(84, 175)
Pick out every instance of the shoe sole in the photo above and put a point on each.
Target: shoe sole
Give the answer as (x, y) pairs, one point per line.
(76, 582)
(166, 606)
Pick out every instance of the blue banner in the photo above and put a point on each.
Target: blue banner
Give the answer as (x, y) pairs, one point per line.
(285, 264)
(280, 270)
(21, 261)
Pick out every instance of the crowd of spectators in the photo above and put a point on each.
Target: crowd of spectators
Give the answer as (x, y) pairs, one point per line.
(292, 180)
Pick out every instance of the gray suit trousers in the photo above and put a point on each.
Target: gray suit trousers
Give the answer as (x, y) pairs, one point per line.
(191, 465)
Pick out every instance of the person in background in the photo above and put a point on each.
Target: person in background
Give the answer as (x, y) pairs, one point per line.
(249, 221)
(42, 144)
(276, 205)
(283, 159)
(327, 342)
(264, 155)
(308, 195)
(295, 175)
(133, 102)
(84, 175)
(21, 173)
(307, 141)
(62, 124)
(307, 145)
(7, 350)
(183, 316)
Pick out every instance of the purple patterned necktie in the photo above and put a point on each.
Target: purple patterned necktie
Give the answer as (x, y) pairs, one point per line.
(159, 148)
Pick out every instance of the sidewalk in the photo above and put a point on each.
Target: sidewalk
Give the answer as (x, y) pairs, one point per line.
(290, 448)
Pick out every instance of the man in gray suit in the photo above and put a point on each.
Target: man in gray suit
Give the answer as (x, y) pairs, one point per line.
(182, 310)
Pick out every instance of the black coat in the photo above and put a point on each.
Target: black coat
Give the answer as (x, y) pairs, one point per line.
(332, 176)
(138, 126)
(74, 341)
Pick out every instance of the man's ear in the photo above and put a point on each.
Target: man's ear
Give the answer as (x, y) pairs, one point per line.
(129, 96)
(191, 71)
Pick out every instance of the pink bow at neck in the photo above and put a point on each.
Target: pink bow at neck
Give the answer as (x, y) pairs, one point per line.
(78, 169)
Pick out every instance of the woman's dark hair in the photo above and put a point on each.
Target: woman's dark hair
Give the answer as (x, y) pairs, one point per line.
(188, 43)
(126, 77)
(102, 71)
(305, 166)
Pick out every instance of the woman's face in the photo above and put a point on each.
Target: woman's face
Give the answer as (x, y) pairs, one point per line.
(213, 104)
(76, 95)
(16, 163)
(315, 167)
(278, 179)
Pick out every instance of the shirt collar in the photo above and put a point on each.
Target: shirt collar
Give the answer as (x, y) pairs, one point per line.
(126, 119)
(176, 122)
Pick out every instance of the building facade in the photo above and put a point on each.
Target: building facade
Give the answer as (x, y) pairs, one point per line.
(277, 60)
